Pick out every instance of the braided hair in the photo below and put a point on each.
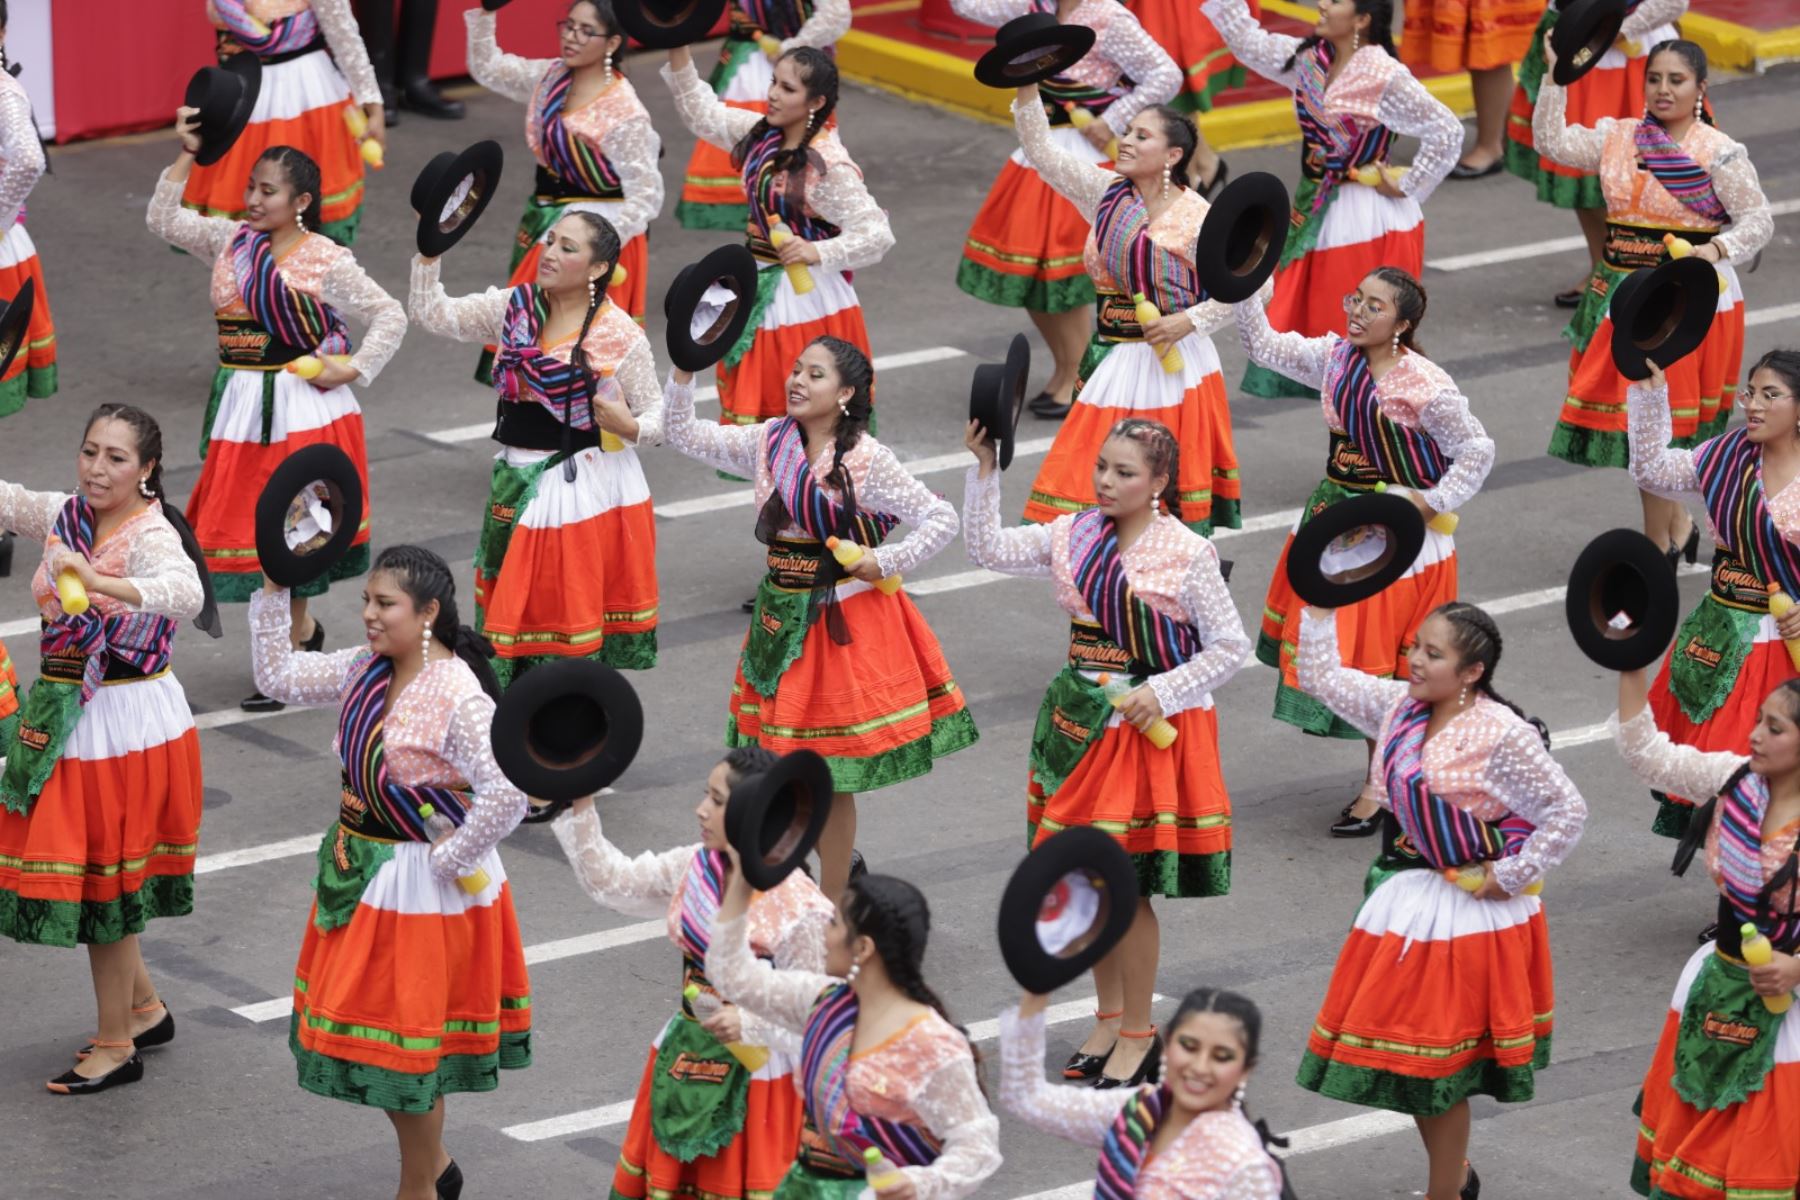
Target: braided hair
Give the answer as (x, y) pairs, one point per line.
(820, 75)
(302, 176)
(854, 371)
(1162, 455)
(1243, 1010)
(893, 914)
(1381, 30)
(1409, 298)
(425, 577)
(741, 762)
(1476, 639)
(1179, 130)
(603, 247)
(1694, 56)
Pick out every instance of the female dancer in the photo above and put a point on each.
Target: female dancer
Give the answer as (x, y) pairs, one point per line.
(1440, 993)
(1144, 596)
(697, 1134)
(1394, 417)
(308, 48)
(578, 395)
(1670, 173)
(33, 370)
(1612, 88)
(1730, 649)
(1352, 96)
(881, 1063)
(1716, 1112)
(1025, 249)
(795, 172)
(832, 663)
(1484, 38)
(385, 869)
(1206, 66)
(1188, 1137)
(595, 148)
(103, 769)
(759, 34)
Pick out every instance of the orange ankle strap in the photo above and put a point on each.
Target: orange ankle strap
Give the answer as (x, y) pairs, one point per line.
(1150, 1032)
(103, 1044)
(147, 1008)
(1106, 1016)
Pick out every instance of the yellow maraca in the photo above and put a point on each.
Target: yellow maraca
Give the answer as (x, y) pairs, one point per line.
(309, 366)
(71, 592)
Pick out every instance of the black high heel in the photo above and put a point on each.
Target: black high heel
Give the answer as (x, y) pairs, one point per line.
(1690, 549)
(1149, 1071)
(450, 1183)
(6, 554)
(71, 1084)
(1085, 1068)
(1471, 1190)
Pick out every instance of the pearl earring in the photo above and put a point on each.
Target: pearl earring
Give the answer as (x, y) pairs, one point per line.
(1462, 697)
(853, 972)
(144, 488)
(812, 118)
(606, 72)
(1394, 347)
(425, 646)
(1355, 40)
(1165, 183)
(1699, 106)
(590, 292)
(300, 220)
(1237, 1096)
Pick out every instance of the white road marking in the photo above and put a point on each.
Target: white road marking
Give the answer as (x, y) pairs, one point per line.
(1488, 258)
(266, 1010)
(292, 847)
(1768, 316)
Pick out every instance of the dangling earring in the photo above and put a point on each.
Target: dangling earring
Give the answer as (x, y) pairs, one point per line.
(606, 72)
(1237, 1096)
(853, 972)
(425, 646)
(843, 408)
(1394, 348)
(1355, 40)
(144, 488)
(590, 291)
(812, 118)
(300, 220)
(1165, 185)
(1155, 505)
(1700, 106)
(1462, 697)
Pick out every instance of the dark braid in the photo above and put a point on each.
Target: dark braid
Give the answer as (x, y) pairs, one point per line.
(603, 247)
(820, 75)
(1162, 453)
(302, 175)
(893, 914)
(1694, 56)
(856, 373)
(1477, 640)
(1179, 130)
(1381, 30)
(425, 577)
(1409, 298)
(744, 761)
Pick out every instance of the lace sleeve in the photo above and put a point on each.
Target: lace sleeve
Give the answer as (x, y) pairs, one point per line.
(202, 237)
(1571, 145)
(830, 21)
(1015, 550)
(990, 12)
(1224, 646)
(782, 997)
(706, 116)
(865, 236)
(1662, 765)
(802, 948)
(639, 887)
(633, 148)
(347, 286)
(1657, 466)
(1263, 52)
(1648, 15)
(1752, 222)
(344, 37)
(1078, 1115)
(890, 487)
(728, 447)
(1294, 355)
(1210, 316)
(1254, 1181)
(1082, 184)
(1408, 109)
(498, 805)
(23, 152)
(27, 513)
(637, 377)
(1154, 75)
(1531, 783)
(465, 318)
(503, 74)
(953, 1108)
(166, 579)
(1360, 699)
(284, 673)
(1451, 424)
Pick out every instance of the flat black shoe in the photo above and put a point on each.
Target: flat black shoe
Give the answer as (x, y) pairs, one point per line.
(1149, 1071)
(1568, 299)
(71, 1084)
(159, 1034)
(749, 605)
(1044, 402)
(420, 97)
(6, 551)
(449, 1184)
(1472, 1189)
(1356, 827)
(256, 702)
(1465, 171)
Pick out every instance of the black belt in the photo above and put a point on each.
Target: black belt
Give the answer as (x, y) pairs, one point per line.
(228, 45)
(530, 426)
(69, 666)
(1629, 247)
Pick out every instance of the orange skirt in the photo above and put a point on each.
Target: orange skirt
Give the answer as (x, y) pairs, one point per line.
(1436, 997)
(1025, 248)
(1207, 67)
(1467, 35)
(712, 189)
(32, 372)
(753, 387)
(110, 841)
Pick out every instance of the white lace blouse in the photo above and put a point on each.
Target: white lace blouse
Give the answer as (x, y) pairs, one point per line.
(436, 730)
(144, 551)
(21, 154)
(1487, 760)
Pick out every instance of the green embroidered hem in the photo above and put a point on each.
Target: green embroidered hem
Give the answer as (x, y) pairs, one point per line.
(1020, 291)
(35, 383)
(1172, 874)
(948, 735)
(1226, 514)
(236, 587)
(803, 1184)
(1309, 715)
(1640, 1177)
(694, 215)
(1273, 385)
(1375, 1088)
(1726, 634)
(1596, 303)
(94, 922)
(1671, 820)
(1590, 447)
(398, 1091)
(620, 651)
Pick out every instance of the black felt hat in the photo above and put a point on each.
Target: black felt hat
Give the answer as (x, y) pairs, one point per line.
(1242, 236)
(1354, 549)
(666, 24)
(15, 323)
(451, 192)
(1662, 313)
(313, 487)
(998, 393)
(225, 97)
(701, 329)
(1065, 908)
(1585, 30)
(566, 729)
(1031, 49)
(1622, 603)
(774, 817)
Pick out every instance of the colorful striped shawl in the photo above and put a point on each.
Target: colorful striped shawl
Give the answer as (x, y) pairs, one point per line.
(525, 374)
(1445, 835)
(701, 892)
(362, 749)
(1341, 138)
(1729, 468)
(145, 640)
(825, 1090)
(808, 505)
(278, 37)
(772, 190)
(1155, 642)
(1409, 457)
(780, 19)
(1738, 816)
(291, 317)
(1679, 174)
(1132, 257)
(566, 155)
(1127, 1144)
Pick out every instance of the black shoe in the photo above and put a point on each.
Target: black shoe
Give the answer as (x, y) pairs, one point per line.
(1046, 408)
(71, 1084)
(1689, 549)
(1149, 1071)
(1568, 299)
(390, 105)
(256, 702)
(749, 605)
(1472, 1189)
(1084, 1068)
(1709, 934)
(449, 1184)
(413, 63)
(6, 548)
(1465, 171)
(1223, 173)
(857, 865)
(1356, 827)
(421, 97)
(316, 642)
(159, 1034)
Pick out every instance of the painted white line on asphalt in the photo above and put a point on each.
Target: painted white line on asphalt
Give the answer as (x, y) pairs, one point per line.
(266, 1010)
(15, 628)
(289, 848)
(1488, 258)
(1768, 316)
(1581, 735)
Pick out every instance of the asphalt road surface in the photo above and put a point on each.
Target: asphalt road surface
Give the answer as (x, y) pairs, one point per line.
(219, 1117)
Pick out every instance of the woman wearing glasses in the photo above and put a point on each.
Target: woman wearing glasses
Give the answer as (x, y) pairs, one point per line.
(1728, 654)
(595, 148)
(1394, 418)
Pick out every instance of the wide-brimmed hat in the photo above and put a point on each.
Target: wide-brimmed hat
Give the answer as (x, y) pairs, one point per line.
(1065, 908)
(708, 305)
(666, 24)
(566, 729)
(1622, 604)
(225, 97)
(308, 514)
(1354, 549)
(15, 323)
(774, 817)
(1031, 49)
(1241, 238)
(1661, 314)
(1585, 30)
(452, 191)
(997, 393)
